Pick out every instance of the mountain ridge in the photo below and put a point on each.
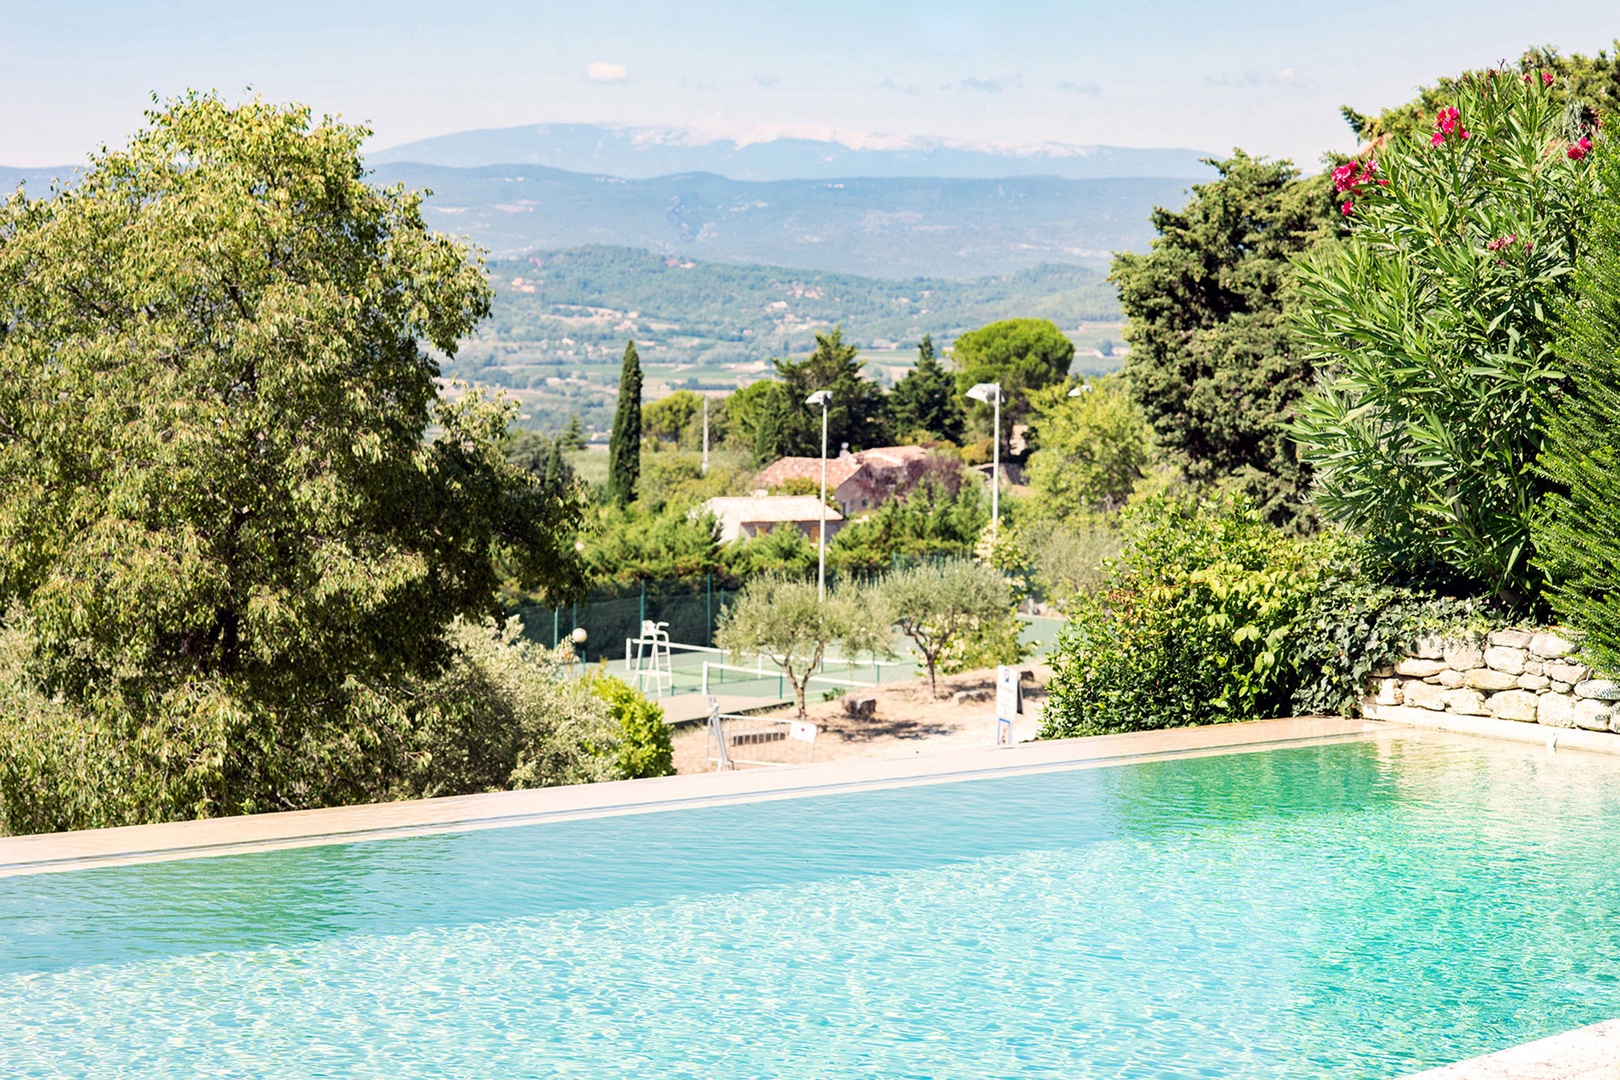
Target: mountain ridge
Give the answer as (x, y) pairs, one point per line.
(644, 153)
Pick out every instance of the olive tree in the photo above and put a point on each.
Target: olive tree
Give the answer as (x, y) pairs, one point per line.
(782, 619)
(935, 605)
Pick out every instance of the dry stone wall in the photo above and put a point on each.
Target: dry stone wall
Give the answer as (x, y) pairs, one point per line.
(1534, 676)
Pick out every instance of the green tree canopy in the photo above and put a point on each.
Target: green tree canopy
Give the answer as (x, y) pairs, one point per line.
(925, 404)
(1576, 537)
(1211, 360)
(624, 443)
(1021, 355)
(212, 417)
(1093, 447)
(1434, 322)
(671, 419)
(856, 414)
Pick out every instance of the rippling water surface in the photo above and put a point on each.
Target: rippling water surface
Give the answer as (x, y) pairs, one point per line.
(1345, 911)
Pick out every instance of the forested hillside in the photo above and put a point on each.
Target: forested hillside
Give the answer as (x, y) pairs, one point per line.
(561, 319)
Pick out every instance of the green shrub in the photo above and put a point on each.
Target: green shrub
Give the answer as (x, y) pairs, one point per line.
(1192, 626)
(1577, 535)
(496, 717)
(644, 746)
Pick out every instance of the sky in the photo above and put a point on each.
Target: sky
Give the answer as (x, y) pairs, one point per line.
(1204, 74)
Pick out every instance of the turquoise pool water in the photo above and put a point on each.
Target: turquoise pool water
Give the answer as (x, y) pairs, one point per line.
(1349, 910)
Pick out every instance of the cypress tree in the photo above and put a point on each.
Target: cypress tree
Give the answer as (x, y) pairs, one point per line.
(1575, 537)
(925, 400)
(624, 445)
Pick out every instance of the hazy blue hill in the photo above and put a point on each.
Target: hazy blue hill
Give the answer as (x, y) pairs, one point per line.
(561, 319)
(37, 180)
(643, 153)
(894, 227)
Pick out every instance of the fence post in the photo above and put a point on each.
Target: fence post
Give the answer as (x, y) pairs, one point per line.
(708, 607)
(555, 632)
(643, 599)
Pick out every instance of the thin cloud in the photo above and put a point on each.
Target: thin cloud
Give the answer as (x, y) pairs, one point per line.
(987, 86)
(1254, 80)
(766, 80)
(1090, 89)
(602, 71)
(890, 84)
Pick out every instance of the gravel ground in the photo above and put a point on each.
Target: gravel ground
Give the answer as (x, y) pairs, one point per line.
(906, 722)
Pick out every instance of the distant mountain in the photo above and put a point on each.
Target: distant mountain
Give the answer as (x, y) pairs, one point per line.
(643, 153)
(884, 227)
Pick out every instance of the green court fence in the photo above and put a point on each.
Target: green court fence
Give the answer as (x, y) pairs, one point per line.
(608, 615)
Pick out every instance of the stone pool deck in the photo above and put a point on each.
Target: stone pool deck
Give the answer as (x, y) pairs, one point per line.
(378, 821)
(1588, 1053)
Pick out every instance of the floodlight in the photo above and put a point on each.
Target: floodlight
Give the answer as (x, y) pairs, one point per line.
(820, 397)
(986, 392)
(1081, 389)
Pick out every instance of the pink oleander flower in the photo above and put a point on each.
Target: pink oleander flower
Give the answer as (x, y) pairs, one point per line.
(1437, 139)
(1502, 241)
(1344, 177)
(1580, 149)
(1546, 78)
(1348, 208)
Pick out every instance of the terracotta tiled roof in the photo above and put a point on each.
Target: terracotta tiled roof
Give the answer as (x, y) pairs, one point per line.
(891, 457)
(780, 472)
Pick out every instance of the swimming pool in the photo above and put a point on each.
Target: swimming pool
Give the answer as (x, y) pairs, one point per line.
(1361, 909)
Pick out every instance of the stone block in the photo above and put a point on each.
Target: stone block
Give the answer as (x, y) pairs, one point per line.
(1384, 672)
(1533, 666)
(1555, 710)
(1463, 655)
(1570, 673)
(1451, 679)
(1464, 702)
(1598, 690)
(1550, 646)
(1419, 669)
(1593, 715)
(1560, 687)
(1534, 682)
(1505, 658)
(1512, 639)
(1486, 679)
(1513, 705)
(1389, 692)
(1429, 648)
(860, 706)
(1420, 695)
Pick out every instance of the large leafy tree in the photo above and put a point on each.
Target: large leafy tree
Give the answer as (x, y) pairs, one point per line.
(856, 414)
(1575, 537)
(925, 402)
(1211, 361)
(1021, 356)
(220, 508)
(1434, 324)
(624, 442)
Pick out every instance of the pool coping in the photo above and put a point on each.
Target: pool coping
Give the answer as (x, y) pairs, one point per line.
(1586, 1053)
(211, 837)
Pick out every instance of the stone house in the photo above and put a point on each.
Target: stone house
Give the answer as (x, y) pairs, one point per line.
(746, 516)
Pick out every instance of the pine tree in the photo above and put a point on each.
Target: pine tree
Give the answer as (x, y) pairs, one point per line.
(573, 435)
(1576, 536)
(925, 400)
(857, 415)
(624, 445)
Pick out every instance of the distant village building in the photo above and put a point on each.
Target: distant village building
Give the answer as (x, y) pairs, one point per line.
(743, 517)
(857, 482)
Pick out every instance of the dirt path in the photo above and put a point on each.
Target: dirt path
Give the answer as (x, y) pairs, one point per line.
(906, 722)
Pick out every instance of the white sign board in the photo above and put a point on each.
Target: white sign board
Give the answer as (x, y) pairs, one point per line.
(1006, 692)
(802, 731)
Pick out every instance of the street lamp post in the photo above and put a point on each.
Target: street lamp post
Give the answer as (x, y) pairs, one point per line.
(822, 397)
(990, 392)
